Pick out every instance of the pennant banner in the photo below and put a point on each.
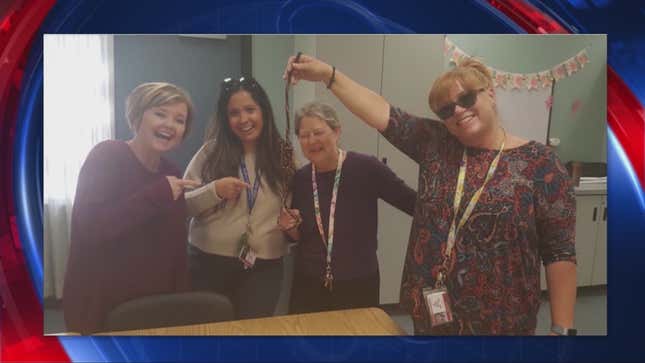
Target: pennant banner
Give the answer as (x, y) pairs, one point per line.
(530, 81)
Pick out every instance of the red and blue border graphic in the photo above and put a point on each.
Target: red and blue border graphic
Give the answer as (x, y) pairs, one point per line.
(23, 23)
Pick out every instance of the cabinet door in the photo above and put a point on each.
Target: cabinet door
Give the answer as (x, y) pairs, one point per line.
(410, 64)
(587, 216)
(599, 275)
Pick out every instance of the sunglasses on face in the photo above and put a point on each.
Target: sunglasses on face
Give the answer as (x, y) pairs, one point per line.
(465, 100)
(231, 84)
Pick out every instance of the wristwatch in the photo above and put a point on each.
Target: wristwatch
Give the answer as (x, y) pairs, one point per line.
(557, 329)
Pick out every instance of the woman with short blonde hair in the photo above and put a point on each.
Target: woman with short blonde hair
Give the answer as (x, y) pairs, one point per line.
(128, 232)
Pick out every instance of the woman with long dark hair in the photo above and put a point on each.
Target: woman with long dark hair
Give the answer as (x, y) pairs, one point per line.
(236, 246)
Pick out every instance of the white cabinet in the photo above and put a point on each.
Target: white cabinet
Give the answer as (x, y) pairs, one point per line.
(410, 64)
(599, 273)
(591, 240)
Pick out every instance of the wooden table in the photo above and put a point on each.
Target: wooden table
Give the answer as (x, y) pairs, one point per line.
(367, 321)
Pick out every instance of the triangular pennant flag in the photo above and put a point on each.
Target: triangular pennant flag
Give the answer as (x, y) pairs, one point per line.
(582, 58)
(533, 81)
(572, 66)
(501, 79)
(517, 80)
(559, 71)
(546, 79)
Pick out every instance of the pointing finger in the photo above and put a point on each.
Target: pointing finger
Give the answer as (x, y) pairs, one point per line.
(241, 184)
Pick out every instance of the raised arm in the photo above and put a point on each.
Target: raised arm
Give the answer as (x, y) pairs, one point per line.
(367, 105)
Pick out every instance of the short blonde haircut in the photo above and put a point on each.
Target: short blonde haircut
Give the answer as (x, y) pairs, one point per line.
(154, 94)
(319, 110)
(471, 73)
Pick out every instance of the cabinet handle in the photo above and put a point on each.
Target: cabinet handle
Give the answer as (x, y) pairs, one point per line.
(595, 211)
(384, 160)
(604, 214)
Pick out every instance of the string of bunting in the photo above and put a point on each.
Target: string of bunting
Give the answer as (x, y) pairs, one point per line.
(530, 81)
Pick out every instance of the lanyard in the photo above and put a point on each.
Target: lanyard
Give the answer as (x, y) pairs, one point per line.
(251, 195)
(329, 241)
(459, 191)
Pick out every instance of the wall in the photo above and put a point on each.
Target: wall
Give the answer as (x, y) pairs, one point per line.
(377, 62)
(269, 56)
(270, 53)
(582, 133)
(196, 64)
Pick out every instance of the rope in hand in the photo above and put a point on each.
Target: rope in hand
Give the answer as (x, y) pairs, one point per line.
(287, 148)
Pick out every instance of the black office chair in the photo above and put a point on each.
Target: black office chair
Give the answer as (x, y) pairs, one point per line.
(169, 310)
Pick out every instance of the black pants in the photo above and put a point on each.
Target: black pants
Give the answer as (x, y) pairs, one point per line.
(309, 295)
(254, 292)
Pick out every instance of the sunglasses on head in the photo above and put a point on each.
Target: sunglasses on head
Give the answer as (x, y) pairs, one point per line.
(465, 100)
(230, 84)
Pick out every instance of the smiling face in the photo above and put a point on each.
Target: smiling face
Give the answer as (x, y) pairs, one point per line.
(470, 123)
(162, 127)
(245, 117)
(319, 142)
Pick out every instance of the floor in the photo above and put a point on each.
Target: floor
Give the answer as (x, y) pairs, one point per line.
(591, 315)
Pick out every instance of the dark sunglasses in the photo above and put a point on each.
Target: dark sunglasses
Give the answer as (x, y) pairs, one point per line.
(465, 100)
(231, 84)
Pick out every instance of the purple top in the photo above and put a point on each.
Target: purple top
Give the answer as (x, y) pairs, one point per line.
(128, 236)
(363, 181)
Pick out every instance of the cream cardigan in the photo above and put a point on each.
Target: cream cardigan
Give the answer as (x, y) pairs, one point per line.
(217, 230)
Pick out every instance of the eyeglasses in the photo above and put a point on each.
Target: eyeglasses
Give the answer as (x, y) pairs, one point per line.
(231, 84)
(466, 100)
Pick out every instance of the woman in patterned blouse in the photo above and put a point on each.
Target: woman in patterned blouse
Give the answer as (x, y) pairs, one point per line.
(525, 213)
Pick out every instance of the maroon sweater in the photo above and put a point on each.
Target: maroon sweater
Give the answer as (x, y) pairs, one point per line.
(128, 236)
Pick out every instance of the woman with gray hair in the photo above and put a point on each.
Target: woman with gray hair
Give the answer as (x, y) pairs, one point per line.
(129, 212)
(336, 197)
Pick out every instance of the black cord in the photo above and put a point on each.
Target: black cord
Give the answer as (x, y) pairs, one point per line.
(333, 77)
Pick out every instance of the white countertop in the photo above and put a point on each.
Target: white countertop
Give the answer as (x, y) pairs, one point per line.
(591, 189)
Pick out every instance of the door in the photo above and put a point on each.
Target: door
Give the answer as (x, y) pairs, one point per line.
(599, 275)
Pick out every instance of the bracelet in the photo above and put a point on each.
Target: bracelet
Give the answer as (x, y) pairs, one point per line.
(333, 77)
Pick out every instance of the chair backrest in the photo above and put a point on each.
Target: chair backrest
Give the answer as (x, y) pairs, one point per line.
(169, 310)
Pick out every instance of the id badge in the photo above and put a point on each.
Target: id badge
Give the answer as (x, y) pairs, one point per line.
(438, 303)
(246, 255)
